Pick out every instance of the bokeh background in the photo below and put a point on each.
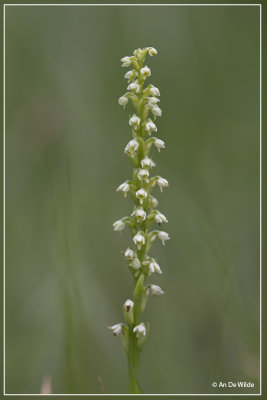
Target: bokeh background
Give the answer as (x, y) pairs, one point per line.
(65, 136)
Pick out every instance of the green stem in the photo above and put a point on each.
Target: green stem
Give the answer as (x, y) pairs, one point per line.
(133, 365)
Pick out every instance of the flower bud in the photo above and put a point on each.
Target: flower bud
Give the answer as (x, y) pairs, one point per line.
(138, 53)
(152, 51)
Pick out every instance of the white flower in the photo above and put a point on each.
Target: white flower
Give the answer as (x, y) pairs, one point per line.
(154, 91)
(123, 101)
(143, 174)
(145, 72)
(163, 236)
(134, 121)
(130, 74)
(162, 183)
(153, 202)
(156, 111)
(150, 127)
(152, 51)
(155, 290)
(147, 163)
(129, 253)
(124, 187)
(128, 305)
(118, 225)
(153, 266)
(140, 330)
(116, 329)
(135, 263)
(159, 218)
(141, 194)
(131, 147)
(159, 144)
(152, 101)
(139, 214)
(126, 61)
(135, 87)
(139, 240)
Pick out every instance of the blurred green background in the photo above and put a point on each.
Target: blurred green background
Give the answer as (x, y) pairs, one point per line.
(65, 136)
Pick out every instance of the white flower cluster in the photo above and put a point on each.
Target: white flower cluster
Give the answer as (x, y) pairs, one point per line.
(142, 122)
(136, 78)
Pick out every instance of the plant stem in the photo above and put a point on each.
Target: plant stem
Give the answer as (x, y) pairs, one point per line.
(133, 365)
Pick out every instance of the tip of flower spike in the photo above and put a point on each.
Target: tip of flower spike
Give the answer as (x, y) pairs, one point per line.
(152, 51)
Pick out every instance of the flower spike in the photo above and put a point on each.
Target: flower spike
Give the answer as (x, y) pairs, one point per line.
(144, 100)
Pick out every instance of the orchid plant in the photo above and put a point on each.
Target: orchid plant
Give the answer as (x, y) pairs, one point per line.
(141, 265)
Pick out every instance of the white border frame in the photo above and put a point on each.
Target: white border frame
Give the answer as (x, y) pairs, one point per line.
(4, 187)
